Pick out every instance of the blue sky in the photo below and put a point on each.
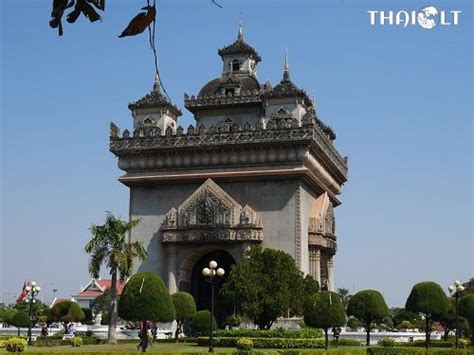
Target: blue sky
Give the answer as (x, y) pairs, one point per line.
(399, 99)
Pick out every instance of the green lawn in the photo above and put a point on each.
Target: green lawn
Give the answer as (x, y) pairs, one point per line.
(162, 348)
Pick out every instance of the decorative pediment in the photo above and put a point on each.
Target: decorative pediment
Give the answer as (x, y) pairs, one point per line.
(208, 205)
(211, 214)
(282, 113)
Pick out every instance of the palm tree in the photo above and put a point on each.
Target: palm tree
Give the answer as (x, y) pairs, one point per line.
(110, 245)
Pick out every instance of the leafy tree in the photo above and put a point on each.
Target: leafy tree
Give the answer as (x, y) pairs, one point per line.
(324, 310)
(67, 312)
(233, 320)
(406, 324)
(466, 309)
(101, 305)
(111, 246)
(201, 322)
(9, 314)
(266, 285)
(448, 319)
(19, 319)
(368, 306)
(310, 286)
(38, 309)
(88, 316)
(145, 298)
(353, 323)
(2, 314)
(429, 299)
(345, 296)
(400, 315)
(185, 308)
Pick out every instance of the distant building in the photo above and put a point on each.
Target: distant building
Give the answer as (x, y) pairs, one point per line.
(94, 289)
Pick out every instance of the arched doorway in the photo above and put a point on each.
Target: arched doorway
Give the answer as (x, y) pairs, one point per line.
(201, 289)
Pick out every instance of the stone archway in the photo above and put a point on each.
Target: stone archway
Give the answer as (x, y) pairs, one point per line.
(193, 257)
(190, 277)
(200, 288)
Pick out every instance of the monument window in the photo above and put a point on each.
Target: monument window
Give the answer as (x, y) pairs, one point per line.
(229, 91)
(235, 65)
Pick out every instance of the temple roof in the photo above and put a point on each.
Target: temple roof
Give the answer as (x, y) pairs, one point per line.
(286, 88)
(240, 47)
(155, 99)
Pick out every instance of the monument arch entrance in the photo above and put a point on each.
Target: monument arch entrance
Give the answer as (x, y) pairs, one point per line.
(199, 287)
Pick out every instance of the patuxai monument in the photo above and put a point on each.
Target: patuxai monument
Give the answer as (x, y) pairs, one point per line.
(257, 167)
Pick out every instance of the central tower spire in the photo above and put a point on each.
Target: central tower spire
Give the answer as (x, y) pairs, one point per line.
(240, 36)
(286, 73)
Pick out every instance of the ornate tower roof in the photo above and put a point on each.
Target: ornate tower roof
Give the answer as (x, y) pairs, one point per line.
(155, 99)
(286, 88)
(240, 47)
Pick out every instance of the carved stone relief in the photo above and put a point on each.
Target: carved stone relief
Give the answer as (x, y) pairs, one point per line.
(211, 215)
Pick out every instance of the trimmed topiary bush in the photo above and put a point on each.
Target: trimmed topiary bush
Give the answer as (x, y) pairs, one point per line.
(20, 319)
(76, 342)
(145, 297)
(464, 343)
(185, 308)
(324, 310)
(15, 345)
(244, 346)
(66, 312)
(387, 342)
(368, 306)
(429, 299)
(201, 323)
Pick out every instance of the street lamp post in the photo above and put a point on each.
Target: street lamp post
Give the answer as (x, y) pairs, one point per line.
(32, 291)
(455, 290)
(212, 274)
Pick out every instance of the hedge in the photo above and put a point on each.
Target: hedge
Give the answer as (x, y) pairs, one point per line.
(308, 352)
(348, 342)
(85, 352)
(421, 344)
(416, 351)
(42, 342)
(172, 340)
(306, 333)
(267, 343)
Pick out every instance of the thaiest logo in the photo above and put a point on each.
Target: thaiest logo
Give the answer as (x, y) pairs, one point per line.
(428, 17)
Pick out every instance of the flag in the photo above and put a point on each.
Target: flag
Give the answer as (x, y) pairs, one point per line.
(23, 293)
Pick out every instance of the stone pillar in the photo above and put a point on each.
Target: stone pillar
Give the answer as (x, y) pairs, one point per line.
(317, 267)
(312, 262)
(171, 251)
(330, 274)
